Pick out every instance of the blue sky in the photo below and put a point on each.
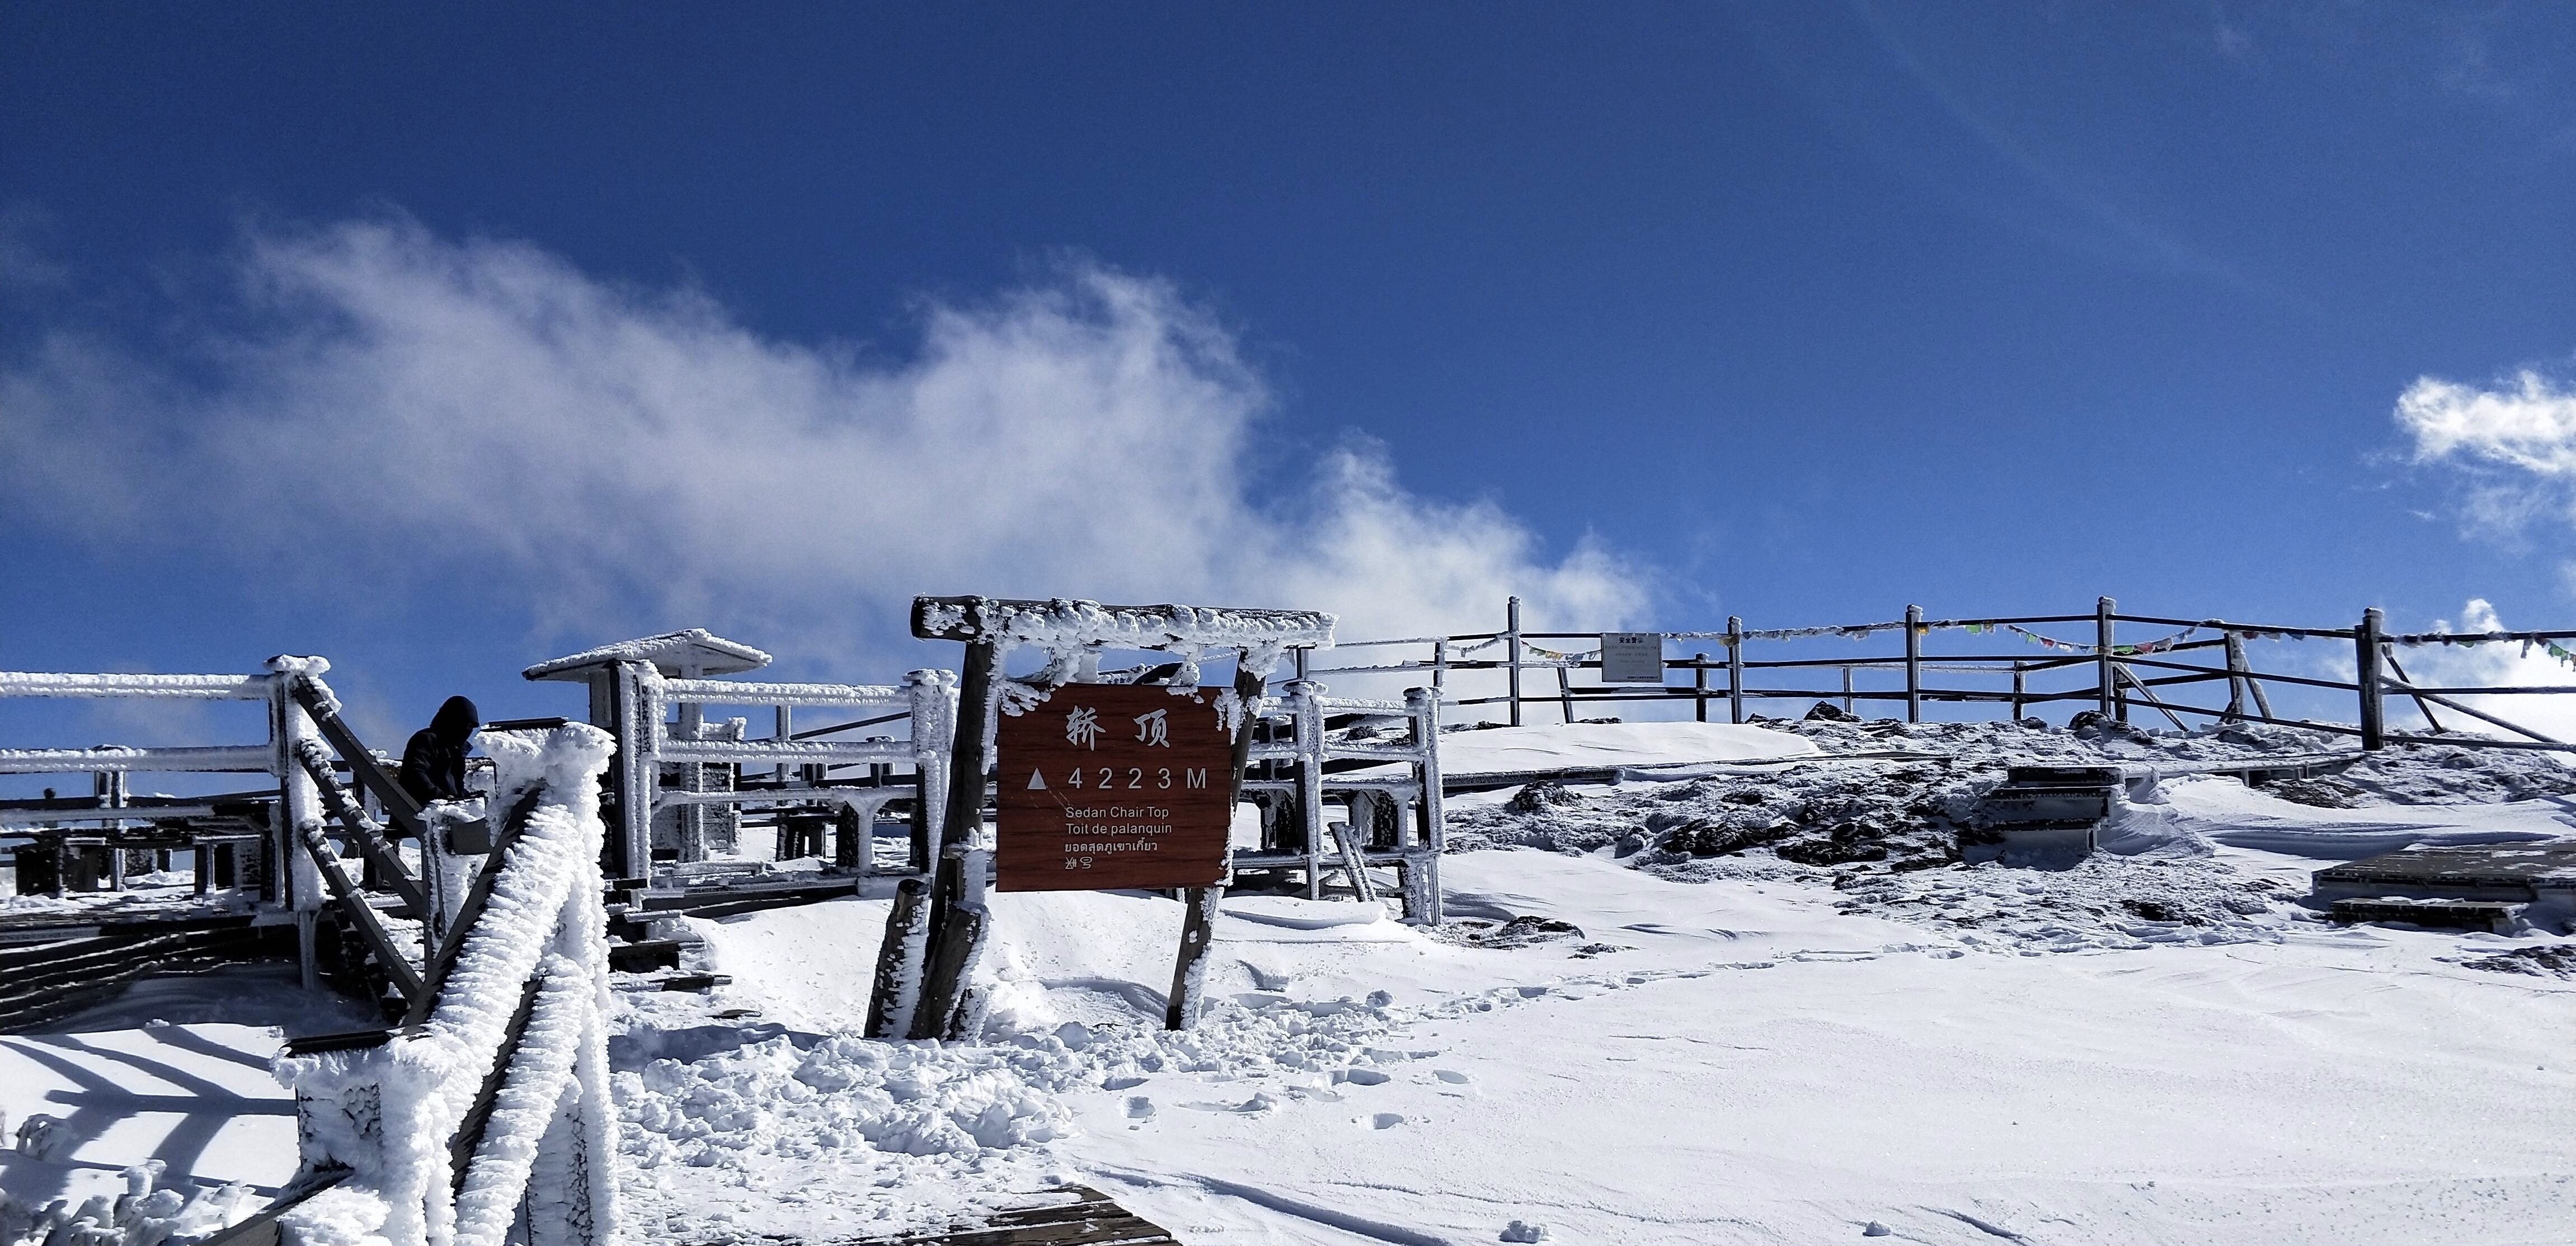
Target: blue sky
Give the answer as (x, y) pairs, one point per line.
(1652, 313)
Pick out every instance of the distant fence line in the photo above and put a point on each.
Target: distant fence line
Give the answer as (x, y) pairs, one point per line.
(2115, 688)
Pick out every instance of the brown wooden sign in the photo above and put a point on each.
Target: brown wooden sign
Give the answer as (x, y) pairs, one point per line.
(1114, 785)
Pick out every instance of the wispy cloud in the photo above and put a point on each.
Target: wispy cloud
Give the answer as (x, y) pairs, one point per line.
(2529, 423)
(2516, 441)
(481, 416)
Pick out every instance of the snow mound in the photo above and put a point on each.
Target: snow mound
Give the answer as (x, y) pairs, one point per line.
(1297, 914)
(883, 1138)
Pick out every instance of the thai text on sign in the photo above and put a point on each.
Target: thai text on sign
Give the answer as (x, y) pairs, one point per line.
(1114, 785)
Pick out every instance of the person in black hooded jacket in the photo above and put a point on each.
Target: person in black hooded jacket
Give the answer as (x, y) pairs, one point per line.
(433, 764)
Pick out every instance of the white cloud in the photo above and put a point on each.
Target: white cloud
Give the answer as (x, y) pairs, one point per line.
(481, 416)
(2530, 425)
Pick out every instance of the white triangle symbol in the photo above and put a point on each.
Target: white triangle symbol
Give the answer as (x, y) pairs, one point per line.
(1037, 781)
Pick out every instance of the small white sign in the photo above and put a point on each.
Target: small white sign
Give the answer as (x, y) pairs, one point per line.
(1632, 657)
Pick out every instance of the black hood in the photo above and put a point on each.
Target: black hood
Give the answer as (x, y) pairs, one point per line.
(455, 720)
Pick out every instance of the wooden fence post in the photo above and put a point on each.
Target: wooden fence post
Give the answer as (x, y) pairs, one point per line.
(2236, 680)
(1913, 664)
(299, 876)
(1440, 665)
(2366, 652)
(1565, 692)
(1734, 669)
(899, 961)
(2107, 692)
(951, 919)
(1699, 685)
(2020, 687)
(1198, 918)
(1847, 688)
(1512, 654)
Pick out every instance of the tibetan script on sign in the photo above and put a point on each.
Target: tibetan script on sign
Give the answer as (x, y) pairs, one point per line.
(1105, 786)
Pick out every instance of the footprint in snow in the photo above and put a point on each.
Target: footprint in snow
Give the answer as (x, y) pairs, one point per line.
(1518, 1231)
(1452, 1076)
(1385, 1120)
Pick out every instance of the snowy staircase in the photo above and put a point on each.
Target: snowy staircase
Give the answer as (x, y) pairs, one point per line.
(2041, 815)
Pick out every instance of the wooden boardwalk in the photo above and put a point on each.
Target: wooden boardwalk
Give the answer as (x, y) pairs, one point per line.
(1070, 1215)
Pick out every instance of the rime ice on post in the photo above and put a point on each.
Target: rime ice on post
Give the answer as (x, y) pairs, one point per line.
(428, 1156)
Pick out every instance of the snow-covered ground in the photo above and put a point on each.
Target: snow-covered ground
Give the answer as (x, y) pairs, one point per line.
(1505, 749)
(1648, 1024)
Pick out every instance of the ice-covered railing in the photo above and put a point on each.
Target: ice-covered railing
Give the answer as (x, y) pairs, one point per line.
(1394, 806)
(800, 763)
(274, 757)
(299, 866)
(490, 1104)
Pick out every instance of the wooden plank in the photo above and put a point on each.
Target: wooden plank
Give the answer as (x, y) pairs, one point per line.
(362, 763)
(989, 620)
(1070, 1216)
(370, 837)
(353, 905)
(434, 974)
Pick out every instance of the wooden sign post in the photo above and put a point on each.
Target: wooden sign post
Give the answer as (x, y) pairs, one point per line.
(1114, 785)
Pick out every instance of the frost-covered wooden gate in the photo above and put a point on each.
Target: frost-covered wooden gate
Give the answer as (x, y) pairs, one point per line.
(937, 931)
(485, 1117)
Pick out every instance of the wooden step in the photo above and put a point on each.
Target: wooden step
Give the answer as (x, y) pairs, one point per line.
(1069, 1216)
(2488, 915)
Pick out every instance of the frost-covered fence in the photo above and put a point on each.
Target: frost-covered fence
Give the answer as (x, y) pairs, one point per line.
(490, 1106)
(800, 765)
(112, 811)
(1392, 800)
(682, 778)
(2120, 675)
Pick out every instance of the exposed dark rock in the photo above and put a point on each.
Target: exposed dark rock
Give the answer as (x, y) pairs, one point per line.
(1540, 795)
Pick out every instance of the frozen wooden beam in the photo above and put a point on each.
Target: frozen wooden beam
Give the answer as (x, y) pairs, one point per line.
(1061, 622)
